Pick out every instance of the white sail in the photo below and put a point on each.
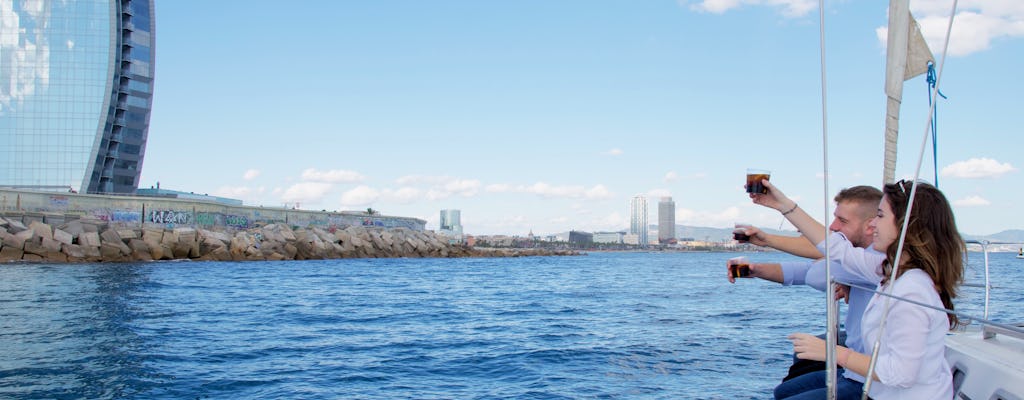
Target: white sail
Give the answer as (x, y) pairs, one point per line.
(907, 56)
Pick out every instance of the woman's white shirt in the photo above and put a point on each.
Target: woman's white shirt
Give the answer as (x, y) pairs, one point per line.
(911, 361)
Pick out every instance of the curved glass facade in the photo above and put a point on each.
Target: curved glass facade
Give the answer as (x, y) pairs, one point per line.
(76, 84)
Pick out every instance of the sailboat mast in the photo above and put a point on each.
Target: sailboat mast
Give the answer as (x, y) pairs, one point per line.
(895, 67)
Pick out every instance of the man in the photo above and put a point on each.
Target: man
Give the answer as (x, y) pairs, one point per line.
(855, 208)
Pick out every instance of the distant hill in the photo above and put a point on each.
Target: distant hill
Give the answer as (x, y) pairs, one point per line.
(1012, 235)
(716, 234)
(719, 234)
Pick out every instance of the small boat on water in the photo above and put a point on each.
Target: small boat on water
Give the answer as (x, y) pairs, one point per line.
(1020, 254)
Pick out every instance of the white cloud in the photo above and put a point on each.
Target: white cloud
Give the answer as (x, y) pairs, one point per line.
(598, 192)
(542, 189)
(306, 192)
(613, 152)
(442, 187)
(671, 176)
(405, 195)
(423, 180)
(361, 195)
(251, 174)
(498, 188)
(977, 24)
(972, 201)
(977, 168)
(726, 217)
(612, 222)
(789, 8)
(332, 176)
(463, 187)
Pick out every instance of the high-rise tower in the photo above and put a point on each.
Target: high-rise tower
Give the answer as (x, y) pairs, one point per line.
(451, 224)
(666, 220)
(638, 218)
(76, 90)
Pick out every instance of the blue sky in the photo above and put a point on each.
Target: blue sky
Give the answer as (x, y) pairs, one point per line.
(546, 116)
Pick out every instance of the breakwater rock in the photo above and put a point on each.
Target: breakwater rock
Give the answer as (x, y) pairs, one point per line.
(87, 240)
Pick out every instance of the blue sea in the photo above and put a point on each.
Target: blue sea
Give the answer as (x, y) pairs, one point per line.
(602, 325)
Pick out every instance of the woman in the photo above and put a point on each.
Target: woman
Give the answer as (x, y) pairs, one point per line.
(911, 361)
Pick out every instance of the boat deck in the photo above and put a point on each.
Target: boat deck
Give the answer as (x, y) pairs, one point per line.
(992, 367)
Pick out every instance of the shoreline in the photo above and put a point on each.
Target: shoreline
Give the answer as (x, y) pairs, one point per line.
(87, 240)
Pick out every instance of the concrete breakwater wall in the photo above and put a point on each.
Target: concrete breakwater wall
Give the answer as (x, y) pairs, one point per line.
(88, 240)
(137, 211)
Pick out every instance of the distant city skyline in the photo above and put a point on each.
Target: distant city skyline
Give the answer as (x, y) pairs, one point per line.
(549, 116)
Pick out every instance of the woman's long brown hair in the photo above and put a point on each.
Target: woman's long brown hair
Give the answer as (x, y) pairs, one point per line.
(933, 244)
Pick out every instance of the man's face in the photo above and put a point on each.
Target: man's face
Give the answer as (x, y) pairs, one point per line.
(853, 222)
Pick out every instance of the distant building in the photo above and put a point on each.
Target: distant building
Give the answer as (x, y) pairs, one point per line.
(581, 238)
(638, 219)
(451, 225)
(76, 91)
(174, 194)
(631, 238)
(666, 220)
(609, 237)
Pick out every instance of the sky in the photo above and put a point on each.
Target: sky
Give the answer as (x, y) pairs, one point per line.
(547, 116)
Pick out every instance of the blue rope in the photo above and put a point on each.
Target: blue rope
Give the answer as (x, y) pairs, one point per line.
(935, 117)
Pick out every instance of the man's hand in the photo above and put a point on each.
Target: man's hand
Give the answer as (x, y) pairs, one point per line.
(774, 199)
(754, 235)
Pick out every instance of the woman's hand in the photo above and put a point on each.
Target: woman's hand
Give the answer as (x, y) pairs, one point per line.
(808, 347)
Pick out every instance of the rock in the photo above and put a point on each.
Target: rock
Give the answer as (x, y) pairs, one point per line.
(141, 251)
(9, 253)
(14, 226)
(89, 239)
(63, 237)
(7, 239)
(31, 258)
(75, 228)
(111, 237)
(112, 253)
(42, 230)
(74, 252)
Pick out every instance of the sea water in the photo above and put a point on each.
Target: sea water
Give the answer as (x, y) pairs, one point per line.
(602, 325)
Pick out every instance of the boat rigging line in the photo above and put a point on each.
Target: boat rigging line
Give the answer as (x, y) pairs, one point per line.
(910, 206)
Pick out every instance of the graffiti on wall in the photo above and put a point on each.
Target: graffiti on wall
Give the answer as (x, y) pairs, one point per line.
(59, 202)
(125, 216)
(218, 219)
(170, 217)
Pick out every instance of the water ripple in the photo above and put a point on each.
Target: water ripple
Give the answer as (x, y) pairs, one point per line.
(608, 325)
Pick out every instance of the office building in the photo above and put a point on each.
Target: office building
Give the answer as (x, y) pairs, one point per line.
(638, 219)
(609, 237)
(76, 90)
(451, 225)
(666, 220)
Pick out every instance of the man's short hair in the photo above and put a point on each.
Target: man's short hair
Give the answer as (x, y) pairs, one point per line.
(864, 195)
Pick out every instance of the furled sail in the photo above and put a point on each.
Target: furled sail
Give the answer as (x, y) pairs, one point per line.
(907, 56)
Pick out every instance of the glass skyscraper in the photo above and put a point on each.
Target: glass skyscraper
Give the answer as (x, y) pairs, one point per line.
(76, 90)
(638, 219)
(666, 220)
(451, 223)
